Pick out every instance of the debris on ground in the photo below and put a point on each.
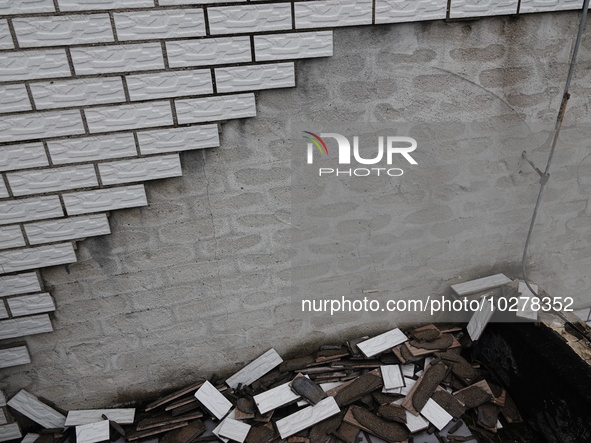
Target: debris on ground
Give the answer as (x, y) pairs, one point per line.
(399, 386)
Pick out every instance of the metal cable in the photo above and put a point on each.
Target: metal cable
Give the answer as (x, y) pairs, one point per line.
(546, 175)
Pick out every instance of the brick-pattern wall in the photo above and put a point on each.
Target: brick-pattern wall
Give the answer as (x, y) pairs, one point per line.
(99, 96)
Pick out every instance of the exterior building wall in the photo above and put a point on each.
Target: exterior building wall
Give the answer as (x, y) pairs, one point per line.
(106, 114)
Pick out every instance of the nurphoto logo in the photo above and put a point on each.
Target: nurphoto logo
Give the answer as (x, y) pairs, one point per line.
(389, 148)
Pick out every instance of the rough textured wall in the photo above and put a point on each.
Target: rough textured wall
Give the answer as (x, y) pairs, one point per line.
(198, 280)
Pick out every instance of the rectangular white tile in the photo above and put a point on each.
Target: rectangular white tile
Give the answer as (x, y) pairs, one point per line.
(103, 200)
(409, 383)
(62, 30)
(117, 58)
(14, 260)
(528, 6)
(307, 417)
(9, 7)
(3, 190)
(178, 139)
(84, 149)
(170, 84)
(249, 18)
(482, 8)
(32, 65)
(480, 319)
(415, 423)
(14, 98)
(80, 92)
(93, 432)
(382, 342)
(408, 370)
(141, 169)
(20, 327)
(275, 398)
(234, 430)
(30, 406)
(10, 432)
(135, 116)
(39, 181)
(225, 107)
(255, 369)
(215, 431)
(69, 228)
(333, 13)
(21, 156)
(14, 356)
(256, 77)
(480, 284)
(293, 46)
(5, 37)
(19, 284)
(38, 125)
(397, 11)
(123, 416)
(213, 400)
(160, 23)
(436, 415)
(29, 209)
(91, 5)
(194, 2)
(208, 51)
(31, 304)
(11, 237)
(392, 376)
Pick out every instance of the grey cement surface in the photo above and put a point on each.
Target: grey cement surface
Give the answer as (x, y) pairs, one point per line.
(199, 281)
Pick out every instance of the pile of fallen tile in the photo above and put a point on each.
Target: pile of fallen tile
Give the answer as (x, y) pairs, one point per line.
(393, 386)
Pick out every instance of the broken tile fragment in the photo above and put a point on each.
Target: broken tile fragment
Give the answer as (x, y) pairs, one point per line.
(256, 369)
(392, 413)
(448, 402)
(93, 432)
(474, 395)
(322, 431)
(436, 415)
(382, 342)
(213, 400)
(185, 434)
(234, 430)
(307, 417)
(10, 432)
(84, 417)
(359, 387)
(480, 284)
(389, 431)
(30, 406)
(444, 341)
(392, 376)
(308, 389)
(274, 398)
(425, 333)
(488, 415)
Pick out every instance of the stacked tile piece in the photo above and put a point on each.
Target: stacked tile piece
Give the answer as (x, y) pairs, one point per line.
(393, 387)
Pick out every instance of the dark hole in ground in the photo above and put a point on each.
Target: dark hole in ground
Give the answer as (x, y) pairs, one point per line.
(549, 382)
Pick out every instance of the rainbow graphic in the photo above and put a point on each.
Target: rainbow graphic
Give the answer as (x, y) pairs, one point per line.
(317, 141)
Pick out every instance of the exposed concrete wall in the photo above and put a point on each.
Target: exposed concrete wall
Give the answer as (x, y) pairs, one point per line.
(198, 281)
